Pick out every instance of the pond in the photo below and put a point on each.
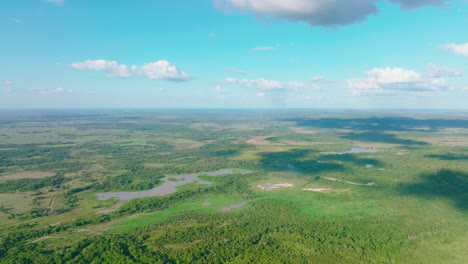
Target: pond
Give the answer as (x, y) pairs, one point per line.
(170, 184)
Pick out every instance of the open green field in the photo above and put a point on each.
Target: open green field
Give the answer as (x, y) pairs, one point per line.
(306, 187)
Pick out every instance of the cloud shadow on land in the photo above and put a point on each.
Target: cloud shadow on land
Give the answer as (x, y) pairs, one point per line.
(449, 184)
(304, 161)
(381, 123)
(448, 156)
(377, 136)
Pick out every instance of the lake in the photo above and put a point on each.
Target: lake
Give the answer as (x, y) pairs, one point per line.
(170, 184)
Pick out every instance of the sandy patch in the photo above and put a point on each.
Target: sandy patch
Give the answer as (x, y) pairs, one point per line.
(268, 186)
(26, 175)
(317, 189)
(324, 190)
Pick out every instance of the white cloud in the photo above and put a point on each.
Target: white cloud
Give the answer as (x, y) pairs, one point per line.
(267, 48)
(465, 89)
(442, 71)
(390, 81)
(113, 68)
(57, 2)
(163, 70)
(460, 49)
(320, 79)
(316, 12)
(159, 70)
(260, 94)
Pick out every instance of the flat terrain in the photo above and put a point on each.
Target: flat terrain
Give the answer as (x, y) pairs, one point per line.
(299, 187)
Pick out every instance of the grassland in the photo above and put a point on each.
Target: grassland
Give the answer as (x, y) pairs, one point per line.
(405, 203)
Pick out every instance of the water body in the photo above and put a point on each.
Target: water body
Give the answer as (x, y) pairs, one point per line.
(353, 151)
(234, 206)
(170, 184)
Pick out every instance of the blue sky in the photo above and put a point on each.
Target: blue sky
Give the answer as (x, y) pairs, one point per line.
(234, 54)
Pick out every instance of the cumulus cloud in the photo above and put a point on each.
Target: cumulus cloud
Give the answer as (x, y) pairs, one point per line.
(57, 2)
(411, 4)
(264, 84)
(159, 70)
(460, 49)
(162, 70)
(317, 12)
(390, 81)
(267, 48)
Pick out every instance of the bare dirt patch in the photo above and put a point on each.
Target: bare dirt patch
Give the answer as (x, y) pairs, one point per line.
(26, 175)
(269, 187)
(348, 182)
(324, 190)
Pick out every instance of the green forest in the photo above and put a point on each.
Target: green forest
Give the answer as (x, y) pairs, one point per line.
(233, 186)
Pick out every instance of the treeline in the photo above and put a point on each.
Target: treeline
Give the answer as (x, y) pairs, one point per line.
(271, 231)
(33, 184)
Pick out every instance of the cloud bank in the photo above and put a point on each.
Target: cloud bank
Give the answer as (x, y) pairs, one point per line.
(390, 81)
(160, 70)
